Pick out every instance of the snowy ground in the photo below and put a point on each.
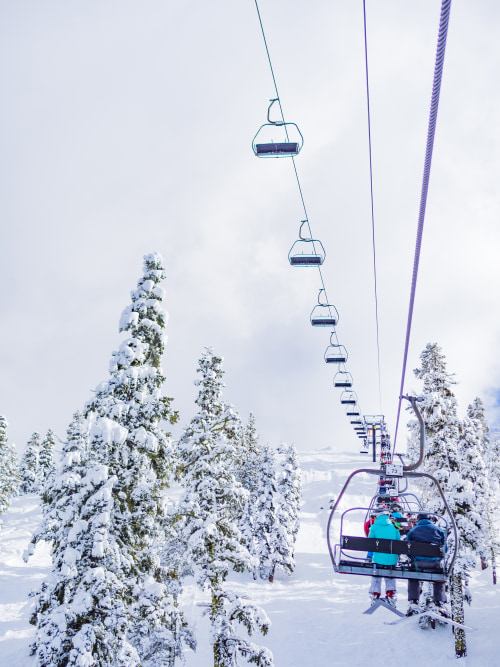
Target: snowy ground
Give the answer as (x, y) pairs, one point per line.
(316, 615)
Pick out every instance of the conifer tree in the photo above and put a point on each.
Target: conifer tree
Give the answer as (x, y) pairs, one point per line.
(266, 525)
(465, 493)
(46, 458)
(208, 517)
(439, 412)
(484, 491)
(59, 507)
(453, 457)
(289, 492)
(249, 460)
(9, 478)
(109, 600)
(248, 456)
(492, 459)
(28, 468)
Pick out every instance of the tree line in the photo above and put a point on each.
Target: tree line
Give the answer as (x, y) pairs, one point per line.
(131, 514)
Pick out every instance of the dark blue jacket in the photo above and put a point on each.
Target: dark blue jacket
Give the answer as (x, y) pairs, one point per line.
(426, 531)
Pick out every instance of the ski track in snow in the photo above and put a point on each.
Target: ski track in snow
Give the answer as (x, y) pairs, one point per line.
(317, 616)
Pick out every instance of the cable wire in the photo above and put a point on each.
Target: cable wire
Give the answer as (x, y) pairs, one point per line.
(436, 88)
(372, 211)
(301, 194)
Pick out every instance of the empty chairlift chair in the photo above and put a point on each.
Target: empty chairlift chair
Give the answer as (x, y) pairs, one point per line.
(291, 143)
(324, 314)
(335, 353)
(352, 411)
(343, 380)
(306, 251)
(348, 397)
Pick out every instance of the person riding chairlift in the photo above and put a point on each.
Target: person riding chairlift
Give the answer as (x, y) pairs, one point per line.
(383, 528)
(426, 531)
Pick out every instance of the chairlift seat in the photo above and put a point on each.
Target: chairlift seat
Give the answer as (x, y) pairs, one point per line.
(402, 570)
(324, 322)
(306, 260)
(335, 358)
(286, 149)
(394, 572)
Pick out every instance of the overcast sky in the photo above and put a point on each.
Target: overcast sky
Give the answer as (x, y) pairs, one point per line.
(126, 128)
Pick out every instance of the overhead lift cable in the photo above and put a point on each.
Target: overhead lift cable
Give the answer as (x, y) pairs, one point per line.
(436, 88)
(372, 209)
(306, 221)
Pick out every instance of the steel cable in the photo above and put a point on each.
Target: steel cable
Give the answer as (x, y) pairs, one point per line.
(436, 89)
(334, 332)
(372, 211)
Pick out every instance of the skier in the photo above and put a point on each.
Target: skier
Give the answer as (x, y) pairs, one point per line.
(385, 529)
(426, 531)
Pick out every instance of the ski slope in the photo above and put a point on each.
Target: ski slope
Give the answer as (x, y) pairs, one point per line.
(316, 615)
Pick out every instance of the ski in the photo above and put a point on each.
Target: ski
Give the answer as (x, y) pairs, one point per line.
(382, 603)
(432, 614)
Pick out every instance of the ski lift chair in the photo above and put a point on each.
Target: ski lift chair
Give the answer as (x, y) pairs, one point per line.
(306, 251)
(348, 397)
(334, 353)
(346, 552)
(324, 314)
(271, 148)
(342, 379)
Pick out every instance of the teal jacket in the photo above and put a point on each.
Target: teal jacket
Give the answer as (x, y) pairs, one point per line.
(385, 529)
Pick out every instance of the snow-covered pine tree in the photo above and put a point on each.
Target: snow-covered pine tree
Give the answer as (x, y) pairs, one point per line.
(249, 458)
(288, 523)
(466, 493)
(58, 504)
(109, 600)
(9, 478)
(208, 516)
(266, 515)
(439, 412)
(28, 467)
(492, 459)
(484, 490)
(46, 458)
(448, 458)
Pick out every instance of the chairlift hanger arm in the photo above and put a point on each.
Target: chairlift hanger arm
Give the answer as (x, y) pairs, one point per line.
(413, 401)
(274, 122)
